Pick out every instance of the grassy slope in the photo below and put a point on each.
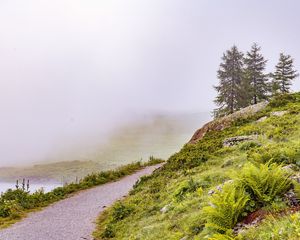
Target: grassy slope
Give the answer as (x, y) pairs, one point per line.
(208, 164)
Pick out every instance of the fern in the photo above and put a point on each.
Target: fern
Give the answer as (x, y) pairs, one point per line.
(264, 182)
(226, 208)
(221, 237)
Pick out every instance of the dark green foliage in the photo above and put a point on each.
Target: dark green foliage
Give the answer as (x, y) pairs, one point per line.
(255, 80)
(185, 188)
(108, 232)
(284, 74)
(230, 90)
(120, 211)
(242, 80)
(282, 100)
(189, 157)
(249, 145)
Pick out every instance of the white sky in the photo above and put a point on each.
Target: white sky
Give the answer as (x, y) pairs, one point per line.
(72, 69)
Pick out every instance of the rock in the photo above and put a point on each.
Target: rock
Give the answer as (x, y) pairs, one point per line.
(291, 198)
(238, 139)
(165, 209)
(184, 238)
(225, 122)
(290, 167)
(211, 192)
(262, 119)
(279, 113)
(219, 187)
(296, 178)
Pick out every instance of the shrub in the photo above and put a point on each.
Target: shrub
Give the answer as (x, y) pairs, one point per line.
(282, 100)
(188, 158)
(248, 145)
(276, 153)
(264, 182)
(10, 208)
(185, 188)
(120, 211)
(226, 208)
(108, 232)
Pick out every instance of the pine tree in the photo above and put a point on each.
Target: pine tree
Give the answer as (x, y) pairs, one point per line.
(256, 81)
(230, 74)
(284, 74)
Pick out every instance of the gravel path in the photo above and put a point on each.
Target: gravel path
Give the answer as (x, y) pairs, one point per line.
(72, 218)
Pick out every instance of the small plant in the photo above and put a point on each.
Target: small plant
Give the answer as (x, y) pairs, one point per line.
(185, 188)
(120, 211)
(248, 145)
(282, 100)
(108, 232)
(225, 208)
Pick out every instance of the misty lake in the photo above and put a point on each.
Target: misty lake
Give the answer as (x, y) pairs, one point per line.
(33, 187)
(159, 136)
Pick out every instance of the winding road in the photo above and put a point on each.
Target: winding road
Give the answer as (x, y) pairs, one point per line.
(72, 218)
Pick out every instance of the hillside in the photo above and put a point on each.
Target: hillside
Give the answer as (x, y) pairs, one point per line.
(236, 179)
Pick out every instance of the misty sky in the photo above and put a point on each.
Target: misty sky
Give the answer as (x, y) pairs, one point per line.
(70, 70)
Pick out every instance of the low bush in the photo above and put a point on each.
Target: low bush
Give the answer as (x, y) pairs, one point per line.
(108, 232)
(190, 157)
(276, 153)
(282, 100)
(249, 145)
(120, 211)
(186, 187)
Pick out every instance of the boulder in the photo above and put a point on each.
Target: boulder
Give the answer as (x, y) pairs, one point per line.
(238, 139)
(165, 209)
(279, 113)
(225, 122)
(262, 119)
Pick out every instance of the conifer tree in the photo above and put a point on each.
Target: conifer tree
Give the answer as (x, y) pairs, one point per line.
(230, 74)
(255, 80)
(284, 74)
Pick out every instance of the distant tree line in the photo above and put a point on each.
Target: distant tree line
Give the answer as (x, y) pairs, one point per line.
(243, 80)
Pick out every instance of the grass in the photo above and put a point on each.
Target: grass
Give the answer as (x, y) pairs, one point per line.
(171, 203)
(15, 204)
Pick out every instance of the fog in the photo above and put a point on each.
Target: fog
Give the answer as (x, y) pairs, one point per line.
(74, 71)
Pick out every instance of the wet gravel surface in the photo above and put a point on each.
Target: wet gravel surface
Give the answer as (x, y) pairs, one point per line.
(72, 218)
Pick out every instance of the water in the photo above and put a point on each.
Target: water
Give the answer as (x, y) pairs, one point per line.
(159, 136)
(33, 187)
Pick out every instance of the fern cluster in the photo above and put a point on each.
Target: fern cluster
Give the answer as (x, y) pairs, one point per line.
(226, 207)
(264, 182)
(253, 186)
